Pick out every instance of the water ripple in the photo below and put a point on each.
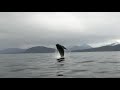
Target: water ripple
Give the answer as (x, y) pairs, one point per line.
(17, 70)
(102, 72)
(109, 62)
(78, 65)
(79, 70)
(86, 61)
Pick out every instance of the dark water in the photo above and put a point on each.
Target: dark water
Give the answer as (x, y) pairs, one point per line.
(76, 65)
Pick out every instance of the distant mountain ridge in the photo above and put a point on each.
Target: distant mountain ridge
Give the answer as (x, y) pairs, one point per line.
(36, 49)
(111, 47)
(40, 49)
(12, 51)
(113, 44)
(80, 47)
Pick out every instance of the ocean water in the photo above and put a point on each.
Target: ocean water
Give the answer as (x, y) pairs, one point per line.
(76, 65)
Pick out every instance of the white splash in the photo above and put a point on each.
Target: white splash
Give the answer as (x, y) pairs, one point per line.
(67, 54)
(56, 54)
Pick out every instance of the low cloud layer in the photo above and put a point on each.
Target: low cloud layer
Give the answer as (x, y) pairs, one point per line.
(24, 29)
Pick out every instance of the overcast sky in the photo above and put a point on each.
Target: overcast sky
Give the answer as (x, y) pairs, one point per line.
(25, 29)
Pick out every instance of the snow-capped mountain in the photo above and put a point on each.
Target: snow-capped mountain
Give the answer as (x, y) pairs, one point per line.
(111, 47)
(114, 44)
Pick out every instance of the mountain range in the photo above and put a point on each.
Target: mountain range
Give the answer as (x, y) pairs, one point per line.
(40, 49)
(110, 47)
(37, 49)
(12, 51)
(81, 48)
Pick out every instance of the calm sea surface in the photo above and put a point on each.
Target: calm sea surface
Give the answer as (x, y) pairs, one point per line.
(76, 65)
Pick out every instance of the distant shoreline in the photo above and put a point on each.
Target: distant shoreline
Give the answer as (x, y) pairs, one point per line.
(54, 52)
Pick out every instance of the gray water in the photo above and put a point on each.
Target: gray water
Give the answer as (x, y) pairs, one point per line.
(76, 65)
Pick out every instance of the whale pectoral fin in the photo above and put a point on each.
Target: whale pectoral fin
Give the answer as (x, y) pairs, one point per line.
(64, 47)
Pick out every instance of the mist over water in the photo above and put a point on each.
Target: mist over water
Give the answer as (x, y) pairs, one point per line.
(76, 65)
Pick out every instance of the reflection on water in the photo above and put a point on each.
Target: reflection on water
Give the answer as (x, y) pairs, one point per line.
(60, 71)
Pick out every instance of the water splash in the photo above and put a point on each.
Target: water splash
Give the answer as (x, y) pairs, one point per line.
(67, 54)
(56, 54)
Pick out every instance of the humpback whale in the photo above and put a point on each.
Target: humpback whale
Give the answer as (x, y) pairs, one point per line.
(60, 48)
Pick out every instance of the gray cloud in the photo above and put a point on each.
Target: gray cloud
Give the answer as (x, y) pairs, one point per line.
(23, 29)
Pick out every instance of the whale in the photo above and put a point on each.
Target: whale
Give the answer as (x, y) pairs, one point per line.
(60, 49)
